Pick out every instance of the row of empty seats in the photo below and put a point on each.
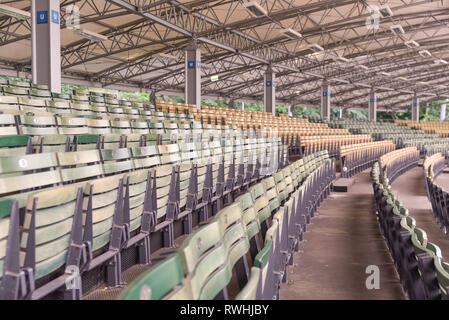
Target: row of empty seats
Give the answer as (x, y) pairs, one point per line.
(256, 238)
(439, 198)
(358, 157)
(422, 271)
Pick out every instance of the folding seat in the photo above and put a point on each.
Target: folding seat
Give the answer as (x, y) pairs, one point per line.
(426, 253)
(164, 194)
(72, 126)
(251, 222)
(442, 273)
(52, 239)
(38, 125)
(111, 101)
(234, 235)
(188, 186)
(60, 97)
(8, 125)
(98, 110)
(46, 94)
(137, 211)
(115, 112)
(121, 127)
(80, 98)
(156, 127)
(80, 165)
(163, 282)
(81, 109)
(262, 206)
(239, 166)
(33, 105)
(87, 142)
(9, 103)
(131, 113)
(97, 126)
(207, 265)
(59, 107)
(15, 91)
(116, 161)
(103, 227)
(158, 116)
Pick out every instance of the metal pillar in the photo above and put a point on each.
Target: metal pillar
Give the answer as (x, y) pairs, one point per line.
(415, 108)
(46, 44)
(193, 74)
(270, 91)
(325, 100)
(443, 112)
(372, 113)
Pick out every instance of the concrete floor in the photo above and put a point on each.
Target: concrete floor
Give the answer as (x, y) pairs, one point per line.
(411, 191)
(342, 241)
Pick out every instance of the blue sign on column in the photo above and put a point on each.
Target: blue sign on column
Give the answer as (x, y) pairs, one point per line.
(371, 100)
(42, 17)
(191, 64)
(268, 83)
(325, 94)
(55, 16)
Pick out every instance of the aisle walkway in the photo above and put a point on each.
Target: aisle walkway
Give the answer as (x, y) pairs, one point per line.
(342, 241)
(411, 191)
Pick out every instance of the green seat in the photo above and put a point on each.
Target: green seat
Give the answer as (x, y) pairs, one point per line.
(38, 125)
(80, 165)
(251, 221)
(205, 262)
(103, 202)
(102, 127)
(116, 161)
(53, 211)
(272, 194)
(9, 103)
(72, 126)
(86, 142)
(163, 281)
(21, 174)
(15, 145)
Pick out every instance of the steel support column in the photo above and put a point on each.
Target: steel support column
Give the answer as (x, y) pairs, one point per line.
(372, 106)
(46, 44)
(193, 75)
(415, 108)
(325, 100)
(270, 91)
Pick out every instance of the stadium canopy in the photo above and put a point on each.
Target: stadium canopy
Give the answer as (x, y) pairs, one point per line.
(399, 48)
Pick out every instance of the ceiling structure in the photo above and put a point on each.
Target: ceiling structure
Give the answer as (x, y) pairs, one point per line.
(146, 40)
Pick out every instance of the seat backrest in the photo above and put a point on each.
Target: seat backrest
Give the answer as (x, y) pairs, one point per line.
(205, 261)
(104, 199)
(116, 161)
(80, 165)
(271, 194)
(53, 211)
(19, 174)
(145, 157)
